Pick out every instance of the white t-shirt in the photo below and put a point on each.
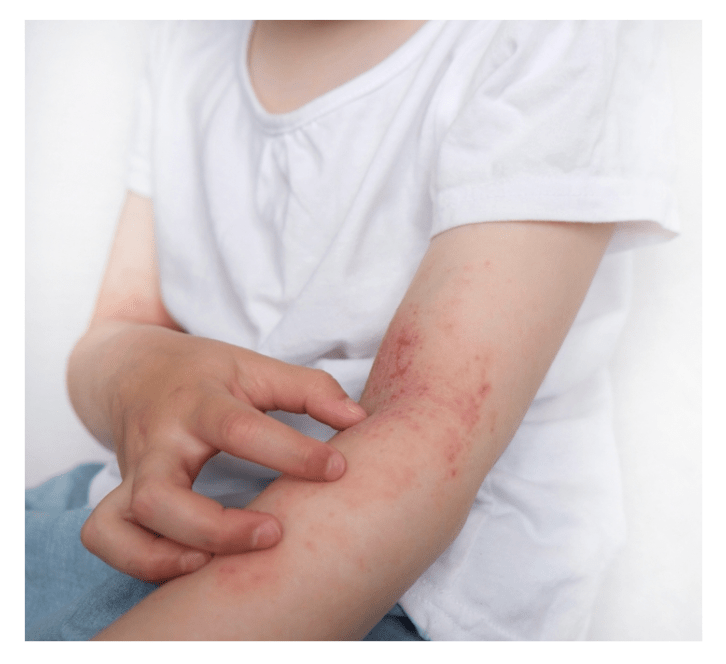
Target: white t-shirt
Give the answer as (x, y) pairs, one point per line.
(296, 235)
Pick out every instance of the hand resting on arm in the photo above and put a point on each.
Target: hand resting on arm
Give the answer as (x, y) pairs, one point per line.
(459, 365)
(167, 402)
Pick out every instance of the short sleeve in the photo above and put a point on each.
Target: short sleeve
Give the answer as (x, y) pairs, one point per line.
(572, 123)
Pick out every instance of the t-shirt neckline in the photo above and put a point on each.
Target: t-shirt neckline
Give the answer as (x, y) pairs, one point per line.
(351, 89)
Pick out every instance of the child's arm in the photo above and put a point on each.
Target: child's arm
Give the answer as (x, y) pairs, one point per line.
(459, 366)
(166, 402)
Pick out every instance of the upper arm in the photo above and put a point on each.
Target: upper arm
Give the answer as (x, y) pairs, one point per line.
(130, 289)
(477, 330)
(460, 363)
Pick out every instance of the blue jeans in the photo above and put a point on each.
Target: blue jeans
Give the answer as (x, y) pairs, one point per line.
(70, 595)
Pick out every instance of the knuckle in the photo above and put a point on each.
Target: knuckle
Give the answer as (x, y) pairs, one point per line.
(183, 396)
(177, 406)
(238, 426)
(89, 533)
(145, 501)
(97, 528)
(322, 381)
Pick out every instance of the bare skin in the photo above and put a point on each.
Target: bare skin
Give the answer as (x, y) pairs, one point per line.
(293, 62)
(166, 402)
(457, 370)
(460, 364)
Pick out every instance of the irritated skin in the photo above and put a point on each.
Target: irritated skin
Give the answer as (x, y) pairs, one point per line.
(458, 368)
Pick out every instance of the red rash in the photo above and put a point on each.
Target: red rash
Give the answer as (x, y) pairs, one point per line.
(227, 575)
(402, 387)
(395, 357)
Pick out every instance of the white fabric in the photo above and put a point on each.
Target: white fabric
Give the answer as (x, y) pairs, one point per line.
(296, 235)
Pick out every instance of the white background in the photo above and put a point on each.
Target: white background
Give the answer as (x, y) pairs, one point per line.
(80, 80)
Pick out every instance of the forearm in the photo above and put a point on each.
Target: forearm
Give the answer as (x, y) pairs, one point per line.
(129, 304)
(350, 550)
(458, 368)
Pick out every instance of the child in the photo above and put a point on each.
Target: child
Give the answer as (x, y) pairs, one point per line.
(310, 196)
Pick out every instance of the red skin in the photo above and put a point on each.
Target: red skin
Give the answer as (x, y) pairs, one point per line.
(403, 390)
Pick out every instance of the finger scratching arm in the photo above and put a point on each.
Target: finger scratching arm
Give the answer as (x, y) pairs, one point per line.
(458, 368)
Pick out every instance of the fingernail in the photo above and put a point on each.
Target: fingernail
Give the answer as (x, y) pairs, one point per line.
(335, 467)
(355, 408)
(193, 561)
(265, 535)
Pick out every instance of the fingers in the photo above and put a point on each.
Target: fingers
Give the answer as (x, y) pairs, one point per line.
(129, 548)
(243, 431)
(324, 398)
(297, 389)
(195, 520)
(118, 532)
